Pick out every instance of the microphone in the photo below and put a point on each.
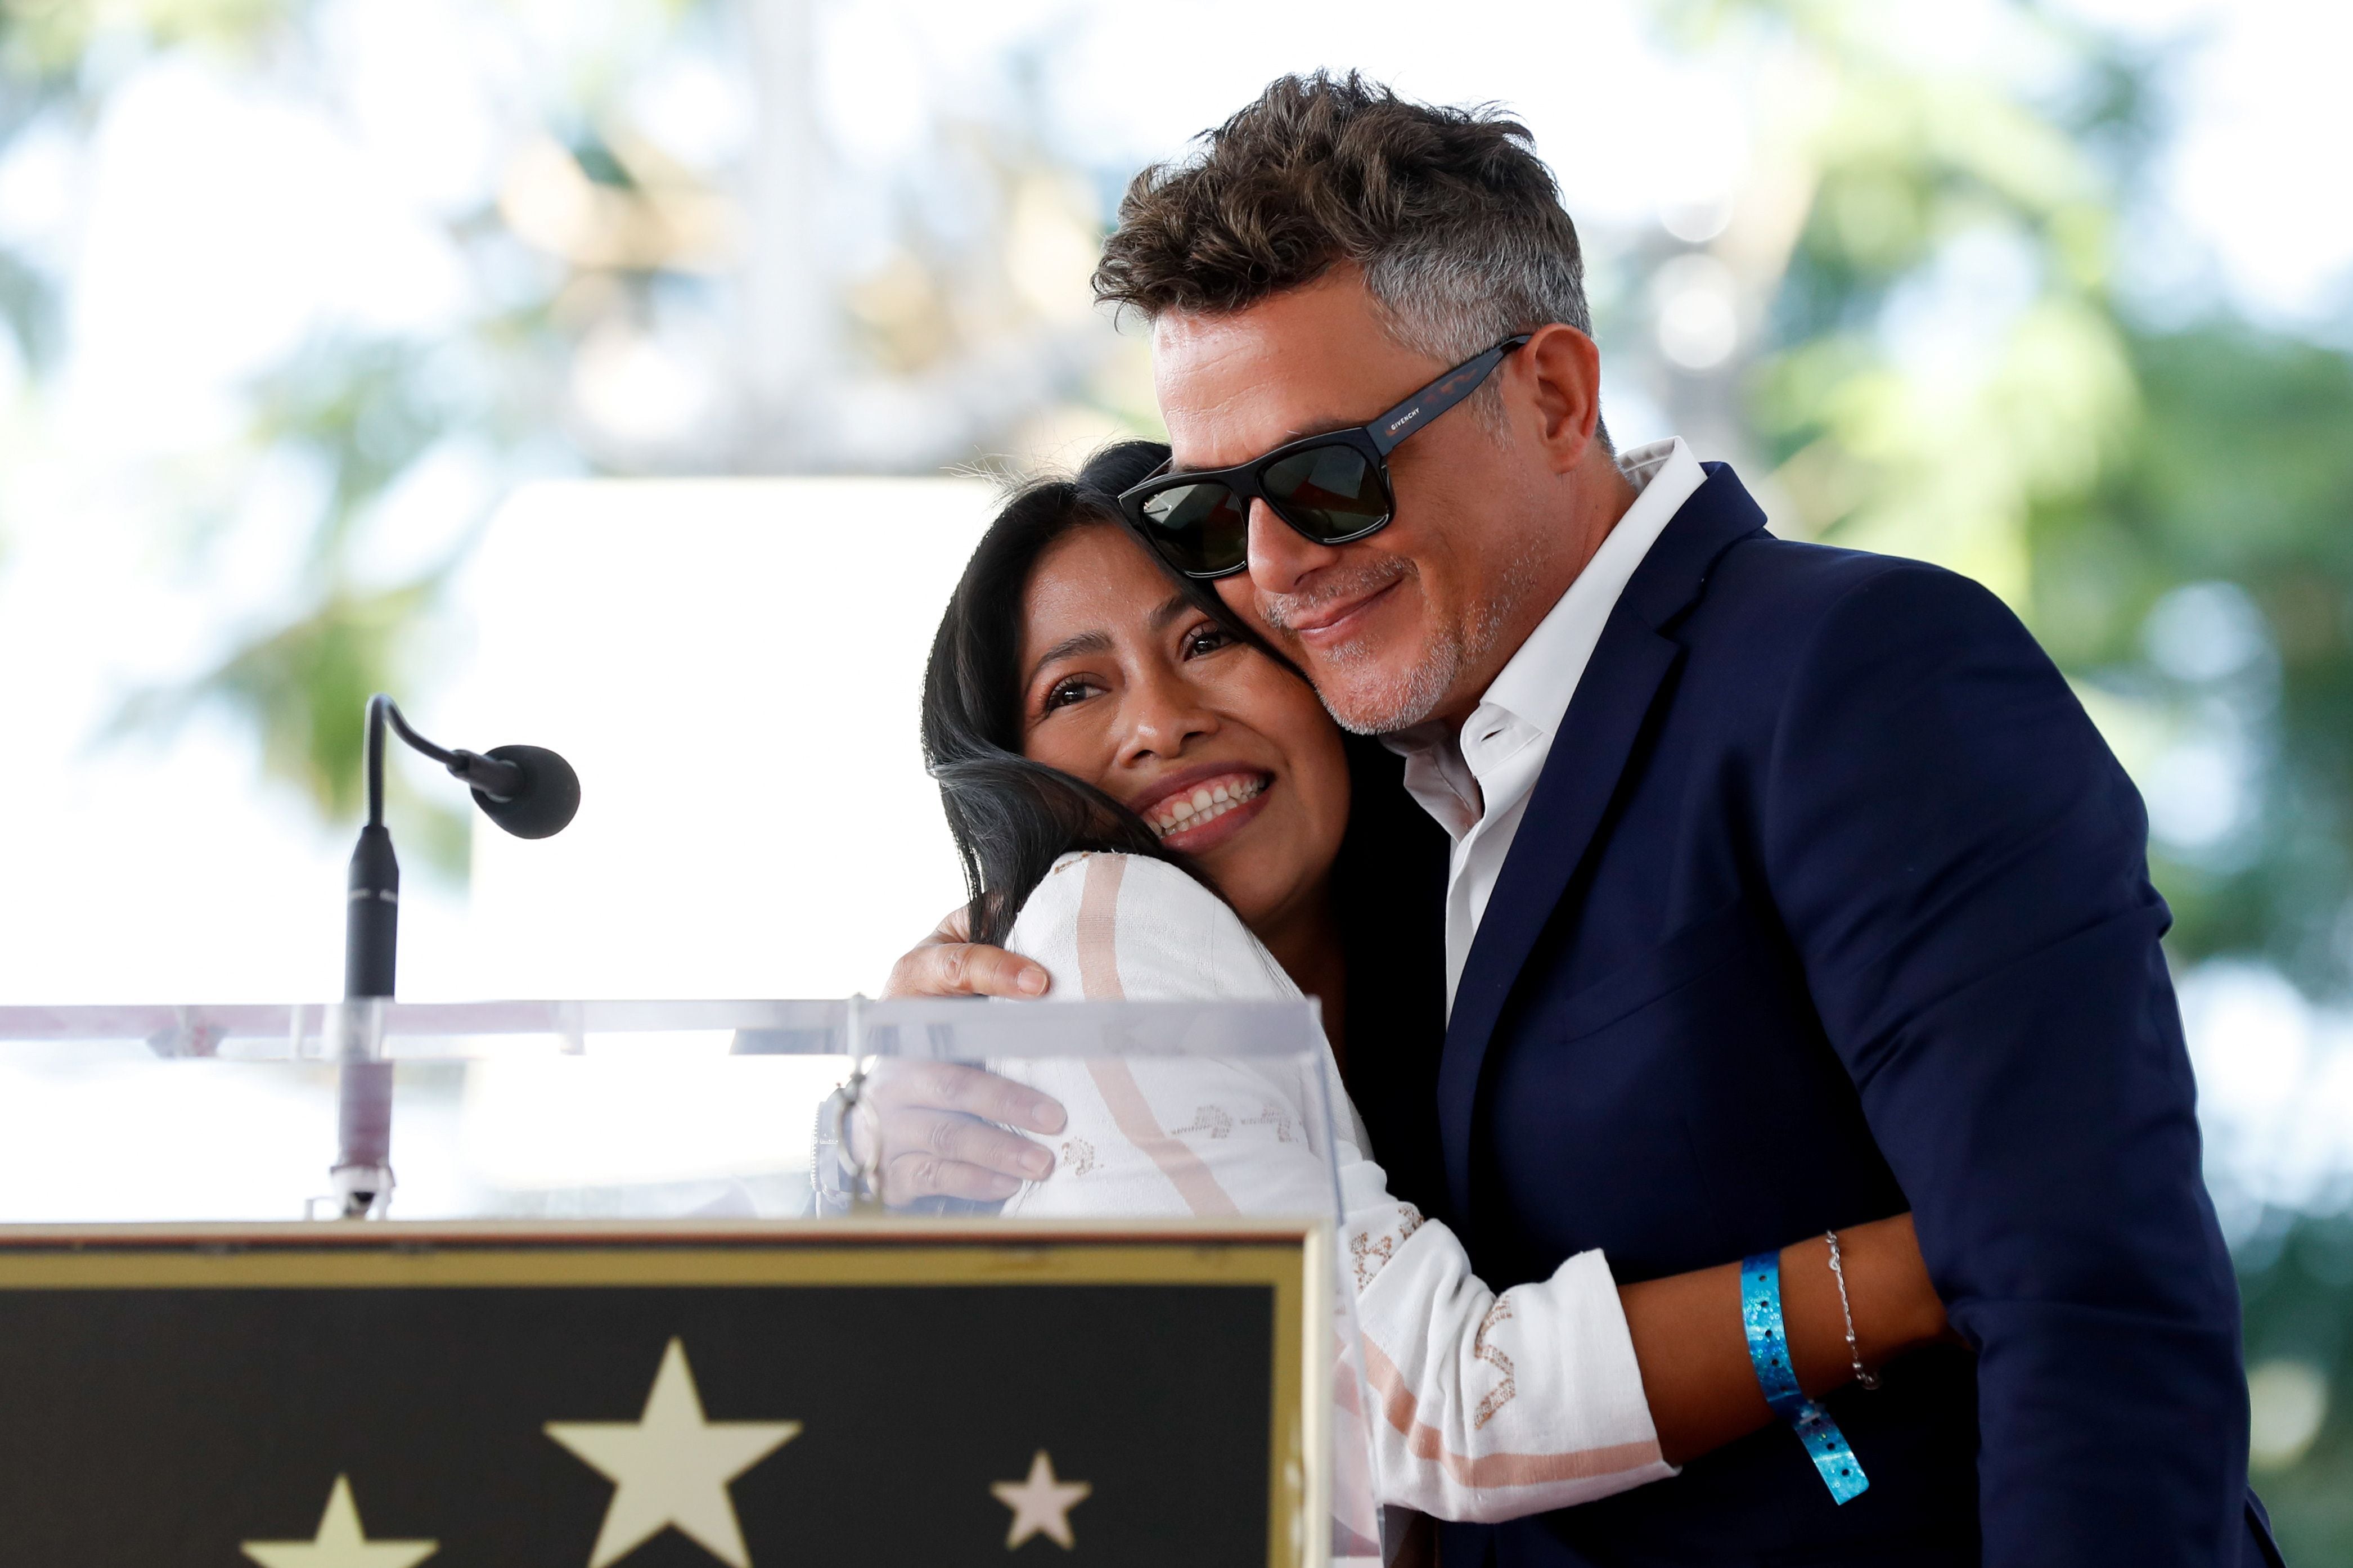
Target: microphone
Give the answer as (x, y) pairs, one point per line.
(542, 797)
(528, 791)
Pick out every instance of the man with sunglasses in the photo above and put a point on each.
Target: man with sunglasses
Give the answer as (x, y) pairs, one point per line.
(1789, 887)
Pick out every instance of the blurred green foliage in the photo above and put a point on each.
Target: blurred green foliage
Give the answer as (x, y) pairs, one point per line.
(306, 683)
(53, 39)
(2237, 471)
(2082, 463)
(360, 413)
(1950, 369)
(2295, 1276)
(1941, 353)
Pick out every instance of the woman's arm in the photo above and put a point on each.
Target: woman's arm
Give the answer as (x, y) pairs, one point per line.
(1693, 1347)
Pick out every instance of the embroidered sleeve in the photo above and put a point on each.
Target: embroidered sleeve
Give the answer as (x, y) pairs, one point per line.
(1372, 1245)
(1488, 1406)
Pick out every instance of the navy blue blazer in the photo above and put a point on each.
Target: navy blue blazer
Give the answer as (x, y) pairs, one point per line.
(1829, 903)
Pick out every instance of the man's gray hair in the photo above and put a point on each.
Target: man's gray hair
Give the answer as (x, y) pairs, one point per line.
(1455, 224)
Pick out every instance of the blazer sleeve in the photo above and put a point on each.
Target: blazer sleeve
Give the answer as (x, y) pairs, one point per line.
(1483, 1406)
(1961, 864)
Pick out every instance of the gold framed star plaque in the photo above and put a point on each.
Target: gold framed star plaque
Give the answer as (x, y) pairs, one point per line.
(757, 1395)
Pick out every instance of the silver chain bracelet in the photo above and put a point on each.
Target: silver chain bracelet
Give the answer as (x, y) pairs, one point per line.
(1854, 1350)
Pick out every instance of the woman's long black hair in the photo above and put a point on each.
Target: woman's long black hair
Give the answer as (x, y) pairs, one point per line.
(1012, 817)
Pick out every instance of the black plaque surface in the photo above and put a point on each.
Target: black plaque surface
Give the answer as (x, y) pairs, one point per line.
(175, 1397)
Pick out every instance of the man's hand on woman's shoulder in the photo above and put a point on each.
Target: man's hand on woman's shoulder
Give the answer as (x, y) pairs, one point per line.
(946, 964)
(938, 1129)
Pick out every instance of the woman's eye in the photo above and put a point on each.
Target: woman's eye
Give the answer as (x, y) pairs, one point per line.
(1206, 638)
(1067, 692)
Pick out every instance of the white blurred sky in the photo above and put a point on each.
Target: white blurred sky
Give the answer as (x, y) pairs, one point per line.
(214, 221)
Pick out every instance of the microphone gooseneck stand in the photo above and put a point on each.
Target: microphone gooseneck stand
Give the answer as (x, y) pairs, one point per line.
(531, 792)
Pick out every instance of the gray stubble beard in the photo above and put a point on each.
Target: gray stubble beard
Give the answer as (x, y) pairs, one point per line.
(1409, 699)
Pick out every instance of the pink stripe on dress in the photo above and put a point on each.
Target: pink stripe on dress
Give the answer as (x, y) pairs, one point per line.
(1099, 928)
(1398, 1404)
(1130, 1112)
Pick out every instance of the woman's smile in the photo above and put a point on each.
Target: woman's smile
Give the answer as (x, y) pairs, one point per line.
(1201, 808)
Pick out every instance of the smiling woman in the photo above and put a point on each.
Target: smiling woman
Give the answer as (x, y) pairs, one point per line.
(1139, 691)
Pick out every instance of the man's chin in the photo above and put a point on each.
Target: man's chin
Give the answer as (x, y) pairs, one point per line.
(1368, 699)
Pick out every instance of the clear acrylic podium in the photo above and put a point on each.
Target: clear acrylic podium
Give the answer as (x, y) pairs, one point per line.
(570, 1127)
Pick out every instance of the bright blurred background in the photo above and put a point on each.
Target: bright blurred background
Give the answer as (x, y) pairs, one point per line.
(324, 322)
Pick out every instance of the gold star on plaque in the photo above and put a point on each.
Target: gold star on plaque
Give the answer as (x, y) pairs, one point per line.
(1042, 1505)
(340, 1542)
(670, 1466)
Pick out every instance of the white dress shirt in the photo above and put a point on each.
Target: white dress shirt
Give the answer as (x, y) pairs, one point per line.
(1477, 784)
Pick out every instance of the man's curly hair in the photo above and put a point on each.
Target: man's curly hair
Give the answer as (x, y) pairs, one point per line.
(1454, 222)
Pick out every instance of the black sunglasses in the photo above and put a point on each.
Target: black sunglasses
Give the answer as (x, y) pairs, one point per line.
(1333, 489)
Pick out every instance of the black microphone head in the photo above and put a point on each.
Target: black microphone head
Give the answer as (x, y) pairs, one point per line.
(549, 796)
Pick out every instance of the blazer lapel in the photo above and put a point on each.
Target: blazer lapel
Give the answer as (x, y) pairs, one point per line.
(1597, 737)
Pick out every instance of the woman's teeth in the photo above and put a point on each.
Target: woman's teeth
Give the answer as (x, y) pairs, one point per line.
(1182, 813)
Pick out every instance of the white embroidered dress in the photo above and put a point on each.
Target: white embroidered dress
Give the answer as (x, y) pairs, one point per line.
(1487, 1406)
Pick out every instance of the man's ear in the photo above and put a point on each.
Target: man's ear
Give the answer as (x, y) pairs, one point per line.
(1561, 368)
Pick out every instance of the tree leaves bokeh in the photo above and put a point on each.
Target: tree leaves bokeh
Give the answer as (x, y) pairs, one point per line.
(1951, 362)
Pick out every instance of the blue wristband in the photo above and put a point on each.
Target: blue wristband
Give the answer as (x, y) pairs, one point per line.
(1768, 1351)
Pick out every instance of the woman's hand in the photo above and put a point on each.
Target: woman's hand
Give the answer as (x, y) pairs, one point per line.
(946, 964)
